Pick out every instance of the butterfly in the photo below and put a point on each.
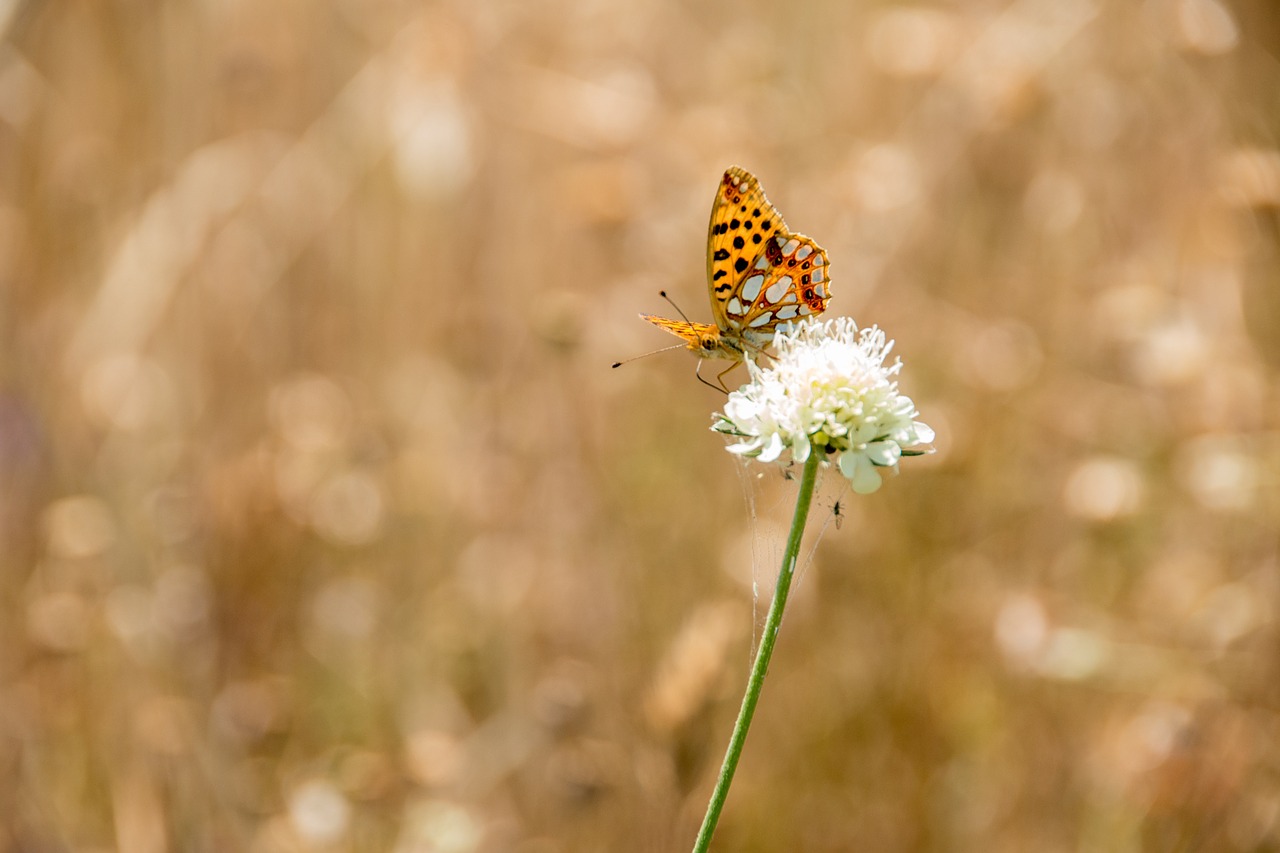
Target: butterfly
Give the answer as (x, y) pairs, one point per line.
(761, 277)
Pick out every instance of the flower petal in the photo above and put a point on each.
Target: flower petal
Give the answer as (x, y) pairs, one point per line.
(772, 449)
(884, 453)
(849, 464)
(867, 480)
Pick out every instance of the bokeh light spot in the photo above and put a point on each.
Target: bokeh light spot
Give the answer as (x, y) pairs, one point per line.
(319, 812)
(1207, 26)
(1250, 177)
(438, 826)
(887, 176)
(1072, 654)
(1171, 352)
(912, 42)
(79, 526)
(434, 758)
(347, 608)
(1021, 628)
(349, 509)
(311, 412)
(1002, 356)
(1104, 488)
(433, 145)
(1218, 472)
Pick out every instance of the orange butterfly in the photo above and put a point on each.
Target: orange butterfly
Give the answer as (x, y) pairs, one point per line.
(760, 276)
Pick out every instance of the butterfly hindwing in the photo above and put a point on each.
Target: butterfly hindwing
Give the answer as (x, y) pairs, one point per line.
(786, 282)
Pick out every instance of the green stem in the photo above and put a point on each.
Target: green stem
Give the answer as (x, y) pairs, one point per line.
(761, 666)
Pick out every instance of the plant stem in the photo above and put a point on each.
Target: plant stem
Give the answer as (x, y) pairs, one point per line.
(761, 666)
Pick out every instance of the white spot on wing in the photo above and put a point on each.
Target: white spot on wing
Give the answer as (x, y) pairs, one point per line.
(763, 263)
(805, 251)
(734, 306)
(818, 261)
(790, 246)
(786, 312)
(751, 288)
(817, 275)
(805, 309)
(778, 290)
(761, 320)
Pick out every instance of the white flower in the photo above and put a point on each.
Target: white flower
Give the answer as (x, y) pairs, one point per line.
(828, 389)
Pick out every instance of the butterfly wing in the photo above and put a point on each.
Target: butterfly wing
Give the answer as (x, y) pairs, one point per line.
(693, 333)
(760, 275)
(741, 220)
(787, 282)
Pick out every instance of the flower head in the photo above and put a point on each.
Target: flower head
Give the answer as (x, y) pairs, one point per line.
(828, 390)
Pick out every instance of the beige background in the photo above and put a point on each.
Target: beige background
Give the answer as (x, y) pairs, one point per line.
(326, 525)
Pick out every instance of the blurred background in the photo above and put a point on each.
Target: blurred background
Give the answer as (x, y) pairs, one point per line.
(326, 525)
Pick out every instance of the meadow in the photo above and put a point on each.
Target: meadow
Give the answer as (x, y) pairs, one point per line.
(325, 524)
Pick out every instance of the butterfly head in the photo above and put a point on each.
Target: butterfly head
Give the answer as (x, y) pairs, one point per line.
(707, 342)
(703, 338)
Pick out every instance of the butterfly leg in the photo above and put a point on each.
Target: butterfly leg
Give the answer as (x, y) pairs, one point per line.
(720, 377)
(698, 373)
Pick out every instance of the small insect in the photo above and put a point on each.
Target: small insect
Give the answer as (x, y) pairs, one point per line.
(760, 276)
(835, 513)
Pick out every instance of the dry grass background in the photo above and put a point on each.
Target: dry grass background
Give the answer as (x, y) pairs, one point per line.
(326, 525)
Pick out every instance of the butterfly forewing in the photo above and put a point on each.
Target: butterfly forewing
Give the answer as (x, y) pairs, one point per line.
(742, 220)
(693, 333)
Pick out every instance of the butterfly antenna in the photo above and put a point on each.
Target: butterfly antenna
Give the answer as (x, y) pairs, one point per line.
(647, 354)
(683, 315)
